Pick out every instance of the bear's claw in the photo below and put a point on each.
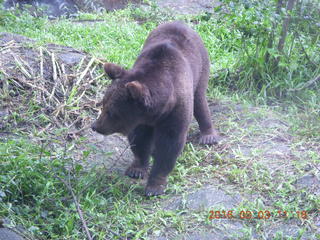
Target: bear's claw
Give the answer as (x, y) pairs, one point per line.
(154, 190)
(209, 139)
(136, 172)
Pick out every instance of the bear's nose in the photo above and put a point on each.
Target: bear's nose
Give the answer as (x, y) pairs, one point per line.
(94, 126)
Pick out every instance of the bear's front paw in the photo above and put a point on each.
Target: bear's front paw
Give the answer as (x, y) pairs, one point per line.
(136, 172)
(155, 190)
(210, 139)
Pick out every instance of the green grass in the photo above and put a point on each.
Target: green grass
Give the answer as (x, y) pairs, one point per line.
(33, 194)
(32, 189)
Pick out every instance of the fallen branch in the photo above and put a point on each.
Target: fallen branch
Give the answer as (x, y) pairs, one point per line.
(307, 84)
(41, 62)
(76, 202)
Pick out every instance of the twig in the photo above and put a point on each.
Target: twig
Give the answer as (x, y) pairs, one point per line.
(64, 78)
(75, 199)
(27, 65)
(7, 46)
(23, 70)
(53, 89)
(76, 202)
(316, 167)
(80, 63)
(59, 109)
(85, 71)
(80, 130)
(306, 85)
(54, 68)
(96, 78)
(77, 99)
(41, 62)
(45, 128)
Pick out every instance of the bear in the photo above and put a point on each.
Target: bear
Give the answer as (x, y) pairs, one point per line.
(153, 102)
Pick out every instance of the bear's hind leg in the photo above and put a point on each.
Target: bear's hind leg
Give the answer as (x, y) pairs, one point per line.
(141, 141)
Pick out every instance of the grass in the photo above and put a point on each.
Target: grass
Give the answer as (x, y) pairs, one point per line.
(36, 174)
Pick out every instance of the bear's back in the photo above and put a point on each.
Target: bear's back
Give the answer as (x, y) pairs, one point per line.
(186, 41)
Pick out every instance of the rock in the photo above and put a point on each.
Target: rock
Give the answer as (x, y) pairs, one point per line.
(10, 234)
(71, 58)
(273, 124)
(110, 5)
(4, 112)
(112, 152)
(203, 236)
(310, 182)
(285, 230)
(50, 8)
(222, 230)
(57, 8)
(8, 37)
(7, 234)
(206, 198)
(276, 148)
(188, 6)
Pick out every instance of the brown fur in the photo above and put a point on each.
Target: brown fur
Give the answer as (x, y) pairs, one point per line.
(153, 102)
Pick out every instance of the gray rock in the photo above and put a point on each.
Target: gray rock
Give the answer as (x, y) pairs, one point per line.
(188, 6)
(275, 148)
(50, 8)
(4, 112)
(7, 37)
(112, 152)
(222, 230)
(273, 123)
(310, 182)
(7, 234)
(284, 230)
(205, 198)
(202, 236)
(71, 58)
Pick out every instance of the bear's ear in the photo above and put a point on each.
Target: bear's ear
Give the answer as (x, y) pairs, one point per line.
(113, 71)
(140, 92)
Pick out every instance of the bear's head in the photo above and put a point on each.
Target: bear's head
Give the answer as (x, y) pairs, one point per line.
(124, 105)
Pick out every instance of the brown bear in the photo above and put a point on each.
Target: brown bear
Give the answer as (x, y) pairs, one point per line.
(153, 102)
